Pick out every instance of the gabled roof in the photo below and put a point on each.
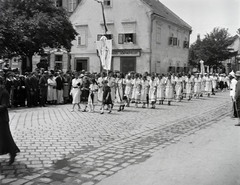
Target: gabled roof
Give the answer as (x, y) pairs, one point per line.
(162, 11)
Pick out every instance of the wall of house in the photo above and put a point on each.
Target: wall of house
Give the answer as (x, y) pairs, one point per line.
(165, 55)
(133, 16)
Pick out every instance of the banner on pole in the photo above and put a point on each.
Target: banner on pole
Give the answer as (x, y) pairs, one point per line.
(104, 48)
(202, 68)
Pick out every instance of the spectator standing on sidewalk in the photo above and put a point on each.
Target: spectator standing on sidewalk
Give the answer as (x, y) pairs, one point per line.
(7, 144)
(43, 85)
(233, 83)
(59, 87)
(237, 96)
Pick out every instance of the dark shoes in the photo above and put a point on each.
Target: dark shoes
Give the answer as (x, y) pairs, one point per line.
(237, 124)
(12, 159)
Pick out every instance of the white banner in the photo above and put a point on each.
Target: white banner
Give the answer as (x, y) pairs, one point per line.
(104, 48)
(202, 68)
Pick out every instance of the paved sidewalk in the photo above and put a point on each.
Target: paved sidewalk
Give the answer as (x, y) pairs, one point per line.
(62, 147)
(208, 157)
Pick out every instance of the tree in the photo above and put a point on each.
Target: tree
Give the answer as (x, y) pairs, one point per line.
(29, 26)
(213, 49)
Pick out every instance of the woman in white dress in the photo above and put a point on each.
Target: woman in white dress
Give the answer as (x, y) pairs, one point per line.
(178, 88)
(100, 87)
(120, 91)
(93, 95)
(152, 91)
(197, 86)
(160, 89)
(76, 92)
(208, 85)
(51, 97)
(188, 85)
(144, 91)
(128, 90)
(169, 95)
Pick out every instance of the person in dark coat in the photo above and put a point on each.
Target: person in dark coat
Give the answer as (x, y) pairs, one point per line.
(7, 144)
(237, 96)
(107, 100)
(29, 90)
(22, 91)
(35, 82)
(43, 85)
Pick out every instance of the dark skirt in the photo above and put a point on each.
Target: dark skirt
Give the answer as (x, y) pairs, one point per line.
(84, 96)
(7, 144)
(107, 100)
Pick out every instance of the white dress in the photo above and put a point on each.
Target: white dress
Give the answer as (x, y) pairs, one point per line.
(75, 91)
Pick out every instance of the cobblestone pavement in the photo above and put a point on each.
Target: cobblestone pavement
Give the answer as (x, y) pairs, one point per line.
(62, 147)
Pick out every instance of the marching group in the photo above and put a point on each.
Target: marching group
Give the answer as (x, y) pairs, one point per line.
(39, 88)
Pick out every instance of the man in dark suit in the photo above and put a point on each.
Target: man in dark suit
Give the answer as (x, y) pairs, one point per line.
(29, 90)
(59, 87)
(43, 85)
(35, 83)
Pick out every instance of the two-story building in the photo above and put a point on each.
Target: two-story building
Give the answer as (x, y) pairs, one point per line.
(146, 35)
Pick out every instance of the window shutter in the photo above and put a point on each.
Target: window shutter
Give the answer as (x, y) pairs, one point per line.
(134, 38)
(171, 41)
(120, 38)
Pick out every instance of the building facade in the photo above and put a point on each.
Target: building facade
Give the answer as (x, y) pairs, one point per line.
(146, 36)
(233, 63)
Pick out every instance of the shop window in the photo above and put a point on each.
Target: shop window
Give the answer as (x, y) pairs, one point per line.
(127, 38)
(108, 36)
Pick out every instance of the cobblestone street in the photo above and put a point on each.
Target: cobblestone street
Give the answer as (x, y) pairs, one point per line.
(62, 147)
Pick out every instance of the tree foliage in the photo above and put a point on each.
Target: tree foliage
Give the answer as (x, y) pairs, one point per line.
(213, 49)
(29, 26)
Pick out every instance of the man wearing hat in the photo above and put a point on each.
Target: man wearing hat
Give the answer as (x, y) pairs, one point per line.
(233, 83)
(43, 85)
(237, 96)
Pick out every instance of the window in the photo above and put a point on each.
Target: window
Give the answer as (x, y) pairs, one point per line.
(108, 36)
(107, 3)
(58, 62)
(159, 35)
(81, 38)
(127, 38)
(72, 5)
(58, 58)
(173, 41)
(185, 44)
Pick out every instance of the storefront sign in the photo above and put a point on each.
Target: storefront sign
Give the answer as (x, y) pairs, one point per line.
(126, 53)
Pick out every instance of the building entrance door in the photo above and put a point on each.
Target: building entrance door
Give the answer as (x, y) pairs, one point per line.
(81, 64)
(128, 64)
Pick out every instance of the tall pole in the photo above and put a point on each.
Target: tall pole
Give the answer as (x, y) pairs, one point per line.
(104, 20)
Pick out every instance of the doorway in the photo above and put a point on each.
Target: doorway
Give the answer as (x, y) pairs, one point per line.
(128, 64)
(81, 64)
